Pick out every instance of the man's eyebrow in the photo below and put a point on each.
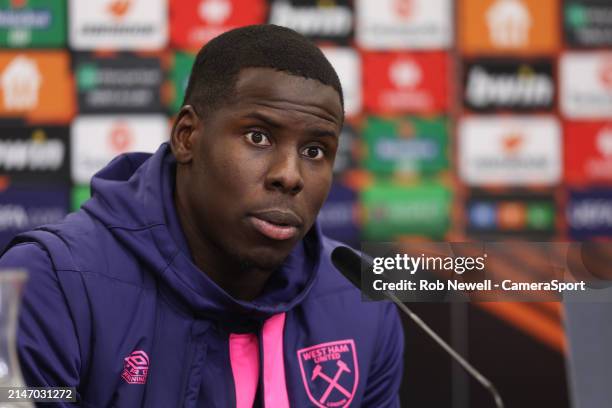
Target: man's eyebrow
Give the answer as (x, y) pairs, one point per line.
(317, 132)
(323, 133)
(259, 116)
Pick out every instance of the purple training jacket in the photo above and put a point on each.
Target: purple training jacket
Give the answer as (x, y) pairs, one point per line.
(116, 308)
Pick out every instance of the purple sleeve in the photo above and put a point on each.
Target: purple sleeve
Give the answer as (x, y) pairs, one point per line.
(46, 339)
(387, 368)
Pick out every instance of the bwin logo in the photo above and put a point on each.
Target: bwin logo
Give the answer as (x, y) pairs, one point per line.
(313, 21)
(35, 154)
(523, 89)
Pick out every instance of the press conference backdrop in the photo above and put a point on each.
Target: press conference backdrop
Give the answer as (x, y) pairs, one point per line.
(471, 119)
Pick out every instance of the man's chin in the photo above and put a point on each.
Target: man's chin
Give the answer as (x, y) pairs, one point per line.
(267, 259)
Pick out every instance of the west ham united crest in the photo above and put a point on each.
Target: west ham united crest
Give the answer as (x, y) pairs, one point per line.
(330, 373)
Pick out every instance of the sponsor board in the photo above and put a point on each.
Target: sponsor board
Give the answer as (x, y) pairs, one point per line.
(521, 214)
(96, 140)
(347, 64)
(181, 69)
(588, 152)
(588, 23)
(404, 24)
(328, 21)
(195, 22)
(125, 84)
(406, 82)
(22, 209)
(589, 214)
(591, 95)
(118, 24)
(35, 154)
(339, 216)
(79, 195)
(505, 84)
(32, 83)
(346, 155)
(510, 151)
(32, 23)
(527, 27)
(406, 145)
(391, 211)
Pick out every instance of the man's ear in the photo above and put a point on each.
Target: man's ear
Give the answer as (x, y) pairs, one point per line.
(184, 133)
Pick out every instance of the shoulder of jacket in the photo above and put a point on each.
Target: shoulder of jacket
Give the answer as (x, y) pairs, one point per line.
(81, 244)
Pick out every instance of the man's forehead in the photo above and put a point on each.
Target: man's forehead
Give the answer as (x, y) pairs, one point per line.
(281, 90)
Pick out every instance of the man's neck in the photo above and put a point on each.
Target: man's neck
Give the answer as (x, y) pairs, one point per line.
(243, 282)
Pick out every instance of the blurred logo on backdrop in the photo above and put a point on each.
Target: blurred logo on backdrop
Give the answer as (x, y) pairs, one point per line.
(346, 155)
(605, 72)
(588, 23)
(128, 84)
(23, 208)
(195, 22)
(119, 8)
(179, 76)
(591, 96)
(589, 214)
(521, 214)
(118, 24)
(508, 23)
(503, 84)
(405, 74)
(21, 82)
(121, 138)
(406, 83)
(32, 23)
(510, 151)
(526, 27)
(588, 157)
(339, 216)
(35, 154)
(328, 20)
(32, 84)
(411, 145)
(393, 211)
(404, 24)
(96, 140)
(347, 63)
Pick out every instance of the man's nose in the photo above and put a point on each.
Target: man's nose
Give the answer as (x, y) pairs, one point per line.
(285, 173)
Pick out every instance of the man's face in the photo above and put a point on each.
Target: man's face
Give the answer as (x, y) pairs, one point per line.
(262, 165)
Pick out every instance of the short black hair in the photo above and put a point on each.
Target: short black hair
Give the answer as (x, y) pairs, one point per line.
(217, 65)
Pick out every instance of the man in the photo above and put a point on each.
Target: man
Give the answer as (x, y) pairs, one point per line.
(197, 276)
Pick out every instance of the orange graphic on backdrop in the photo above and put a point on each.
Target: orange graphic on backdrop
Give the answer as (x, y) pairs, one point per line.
(36, 86)
(525, 27)
(512, 143)
(605, 73)
(121, 137)
(118, 8)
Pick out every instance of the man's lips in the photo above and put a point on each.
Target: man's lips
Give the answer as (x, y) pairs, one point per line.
(276, 224)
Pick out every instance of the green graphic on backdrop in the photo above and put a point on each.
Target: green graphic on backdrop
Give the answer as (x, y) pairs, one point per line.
(80, 194)
(406, 145)
(86, 76)
(392, 210)
(575, 15)
(32, 23)
(180, 77)
(540, 216)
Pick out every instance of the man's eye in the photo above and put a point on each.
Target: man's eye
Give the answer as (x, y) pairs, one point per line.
(313, 152)
(258, 138)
